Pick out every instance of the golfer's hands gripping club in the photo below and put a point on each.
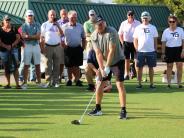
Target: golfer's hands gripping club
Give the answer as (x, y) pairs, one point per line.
(105, 72)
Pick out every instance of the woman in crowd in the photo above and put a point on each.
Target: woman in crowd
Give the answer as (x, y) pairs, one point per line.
(9, 38)
(173, 49)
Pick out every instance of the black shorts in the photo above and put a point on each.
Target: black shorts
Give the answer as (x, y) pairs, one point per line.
(173, 54)
(118, 70)
(73, 56)
(129, 50)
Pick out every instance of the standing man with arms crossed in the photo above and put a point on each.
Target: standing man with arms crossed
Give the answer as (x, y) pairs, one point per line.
(31, 36)
(110, 58)
(145, 42)
(126, 31)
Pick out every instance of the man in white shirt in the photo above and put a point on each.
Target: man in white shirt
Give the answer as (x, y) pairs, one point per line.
(50, 42)
(145, 42)
(125, 32)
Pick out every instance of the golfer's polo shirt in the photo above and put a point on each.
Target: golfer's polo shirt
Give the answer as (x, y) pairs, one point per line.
(127, 30)
(31, 29)
(51, 33)
(73, 34)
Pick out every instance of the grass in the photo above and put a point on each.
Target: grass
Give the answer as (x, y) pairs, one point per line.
(47, 113)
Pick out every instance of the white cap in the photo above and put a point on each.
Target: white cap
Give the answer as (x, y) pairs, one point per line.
(29, 12)
(92, 12)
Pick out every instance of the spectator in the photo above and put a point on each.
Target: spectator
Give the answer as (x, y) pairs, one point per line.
(173, 49)
(89, 27)
(9, 38)
(62, 21)
(74, 37)
(110, 59)
(32, 76)
(145, 42)
(51, 43)
(126, 31)
(31, 36)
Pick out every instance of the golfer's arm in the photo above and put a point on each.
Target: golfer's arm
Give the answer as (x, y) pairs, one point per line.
(136, 44)
(110, 55)
(155, 43)
(99, 57)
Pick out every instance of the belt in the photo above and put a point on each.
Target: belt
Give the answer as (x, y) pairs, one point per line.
(52, 45)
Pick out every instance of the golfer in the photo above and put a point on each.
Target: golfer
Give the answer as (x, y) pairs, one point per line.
(110, 58)
(173, 49)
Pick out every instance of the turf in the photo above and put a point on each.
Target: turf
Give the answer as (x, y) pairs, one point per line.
(47, 113)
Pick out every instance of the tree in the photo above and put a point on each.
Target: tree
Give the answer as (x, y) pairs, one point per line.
(176, 6)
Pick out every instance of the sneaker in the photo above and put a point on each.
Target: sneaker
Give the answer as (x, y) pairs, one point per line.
(7, 87)
(169, 86)
(56, 85)
(95, 112)
(180, 86)
(139, 86)
(123, 115)
(69, 83)
(18, 87)
(41, 85)
(24, 86)
(91, 87)
(152, 86)
(127, 77)
(79, 83)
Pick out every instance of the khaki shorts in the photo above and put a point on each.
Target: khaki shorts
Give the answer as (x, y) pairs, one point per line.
(32, 53)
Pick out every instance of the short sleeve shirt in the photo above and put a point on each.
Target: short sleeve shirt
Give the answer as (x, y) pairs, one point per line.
(105, 40)
(51, 33)
(145, 35)
(73, 34)
(89, 27)
(173, 38)
(8, 38)
(31, 29)
(127, 30)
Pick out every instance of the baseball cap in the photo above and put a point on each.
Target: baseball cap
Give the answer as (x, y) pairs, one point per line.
(29, 12)
(99, 19)
(92, 12)
(145, 14)
(130, 13)
(6, 17)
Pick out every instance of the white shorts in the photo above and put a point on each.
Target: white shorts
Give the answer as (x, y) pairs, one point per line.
(32, 53)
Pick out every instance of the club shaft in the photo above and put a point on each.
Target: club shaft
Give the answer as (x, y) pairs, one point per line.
(81, 118)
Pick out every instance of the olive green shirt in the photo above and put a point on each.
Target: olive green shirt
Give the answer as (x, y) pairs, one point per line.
(109, 38)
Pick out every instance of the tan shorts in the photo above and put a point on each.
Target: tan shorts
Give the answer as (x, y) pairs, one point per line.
(32, 53)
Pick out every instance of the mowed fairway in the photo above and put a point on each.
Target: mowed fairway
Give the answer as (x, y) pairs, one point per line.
(47, 113)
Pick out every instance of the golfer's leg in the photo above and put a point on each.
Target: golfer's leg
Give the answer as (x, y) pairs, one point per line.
(99, 93)
(169, 72)
(179, 66)
(122, 93)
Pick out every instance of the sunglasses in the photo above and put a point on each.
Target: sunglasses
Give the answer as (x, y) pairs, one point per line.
(130, 15)
(92, 14)
(7, 20)
(172, 21)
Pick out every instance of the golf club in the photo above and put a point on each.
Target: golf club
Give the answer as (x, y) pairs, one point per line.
(78, 122)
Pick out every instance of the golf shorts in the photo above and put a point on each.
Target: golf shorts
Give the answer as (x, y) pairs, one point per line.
(173, 54)
(73, 56)
(118, 70)
(32, 53)
(146, 58)
(4, 55)
(129, 50)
